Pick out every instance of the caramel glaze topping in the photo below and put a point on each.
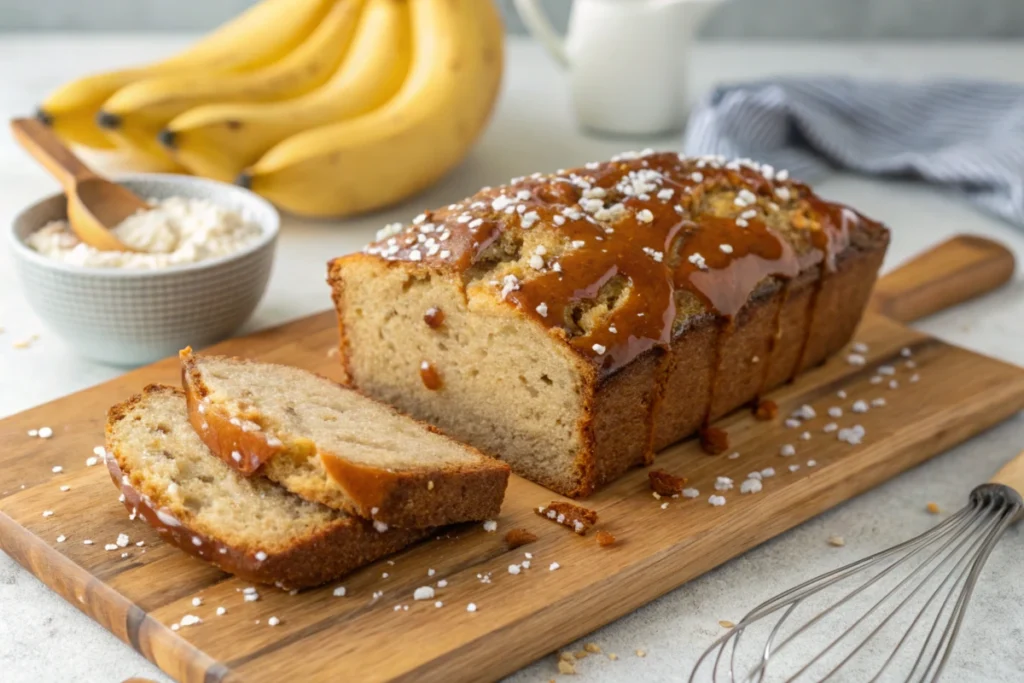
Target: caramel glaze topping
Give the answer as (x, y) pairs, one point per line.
(616, 255)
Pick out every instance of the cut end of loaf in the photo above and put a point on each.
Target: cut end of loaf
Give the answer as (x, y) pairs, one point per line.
(505, 385)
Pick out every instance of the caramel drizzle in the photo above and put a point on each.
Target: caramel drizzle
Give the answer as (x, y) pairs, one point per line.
(676, 247)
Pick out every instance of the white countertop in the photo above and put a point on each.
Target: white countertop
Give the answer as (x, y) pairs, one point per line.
(43, 638)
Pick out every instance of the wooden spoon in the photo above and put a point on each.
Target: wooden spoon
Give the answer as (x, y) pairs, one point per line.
(95, 204)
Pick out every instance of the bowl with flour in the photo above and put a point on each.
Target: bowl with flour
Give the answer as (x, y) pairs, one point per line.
(201, 264)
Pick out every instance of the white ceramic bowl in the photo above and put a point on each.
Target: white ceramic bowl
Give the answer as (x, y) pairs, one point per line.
(130, 317)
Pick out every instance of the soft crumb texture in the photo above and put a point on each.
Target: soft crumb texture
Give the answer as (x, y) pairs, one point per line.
(933, 508)
(519, 537)
(766, 410)
(837, 541)
(605, 538)
(714, 441)
(666, 484)
(177, 231)
(576, 517)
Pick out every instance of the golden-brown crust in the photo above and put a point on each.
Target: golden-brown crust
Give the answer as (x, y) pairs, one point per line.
(244, 451)
(328, 554)
(410, 499)
(421, 499)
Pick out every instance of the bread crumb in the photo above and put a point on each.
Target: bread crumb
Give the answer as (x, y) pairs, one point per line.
(592, 648)
(519, 537)
(641, 653)
(725, 623)
(605, 539)
(612, 656)
(714, 441)
(933, 508)
(766, 410)
(333, 351)
(566, 667)
(567, 656)
(581, 654)
(576, 517)
(836, 541)
(664, 483)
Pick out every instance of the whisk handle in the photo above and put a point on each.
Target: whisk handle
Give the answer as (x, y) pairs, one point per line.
(1011, 474)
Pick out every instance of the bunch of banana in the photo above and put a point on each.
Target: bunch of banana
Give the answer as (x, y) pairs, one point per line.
(256, 38)
(349, 105)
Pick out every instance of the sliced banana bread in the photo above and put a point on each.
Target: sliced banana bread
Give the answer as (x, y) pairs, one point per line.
(575, 323)
(331, 445)
(247, 526)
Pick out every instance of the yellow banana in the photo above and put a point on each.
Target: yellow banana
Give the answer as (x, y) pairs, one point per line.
(220, 140)
(137, 113)
(259, 36)
(399, 149)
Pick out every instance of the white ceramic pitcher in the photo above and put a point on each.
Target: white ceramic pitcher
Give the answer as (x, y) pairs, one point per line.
(626, 60)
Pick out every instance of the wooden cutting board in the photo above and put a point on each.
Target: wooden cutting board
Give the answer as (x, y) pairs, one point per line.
(137, 592)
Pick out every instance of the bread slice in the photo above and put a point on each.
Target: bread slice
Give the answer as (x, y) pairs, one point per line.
(246, 526)
(575, 323)
(329, 444)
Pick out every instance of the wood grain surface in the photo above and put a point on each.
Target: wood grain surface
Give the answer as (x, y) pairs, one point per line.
(137, 592)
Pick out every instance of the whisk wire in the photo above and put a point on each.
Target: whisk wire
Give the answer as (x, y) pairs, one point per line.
(915, 545)
(953, 554)
(1006, 517)
(957, 572)
(991, 523)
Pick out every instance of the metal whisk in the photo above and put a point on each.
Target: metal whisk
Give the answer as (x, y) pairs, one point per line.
(892, 616)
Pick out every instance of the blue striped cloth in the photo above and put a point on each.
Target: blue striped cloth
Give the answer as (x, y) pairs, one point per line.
(966, 136)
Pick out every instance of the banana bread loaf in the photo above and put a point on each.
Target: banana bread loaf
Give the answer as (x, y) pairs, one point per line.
(574, 324)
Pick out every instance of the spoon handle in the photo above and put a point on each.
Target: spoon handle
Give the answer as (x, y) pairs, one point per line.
(41, 142)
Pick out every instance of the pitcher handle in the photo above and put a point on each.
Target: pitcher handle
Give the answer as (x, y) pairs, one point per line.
(537, 22)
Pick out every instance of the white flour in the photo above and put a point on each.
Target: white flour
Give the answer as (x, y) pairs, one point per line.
(176, 231)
